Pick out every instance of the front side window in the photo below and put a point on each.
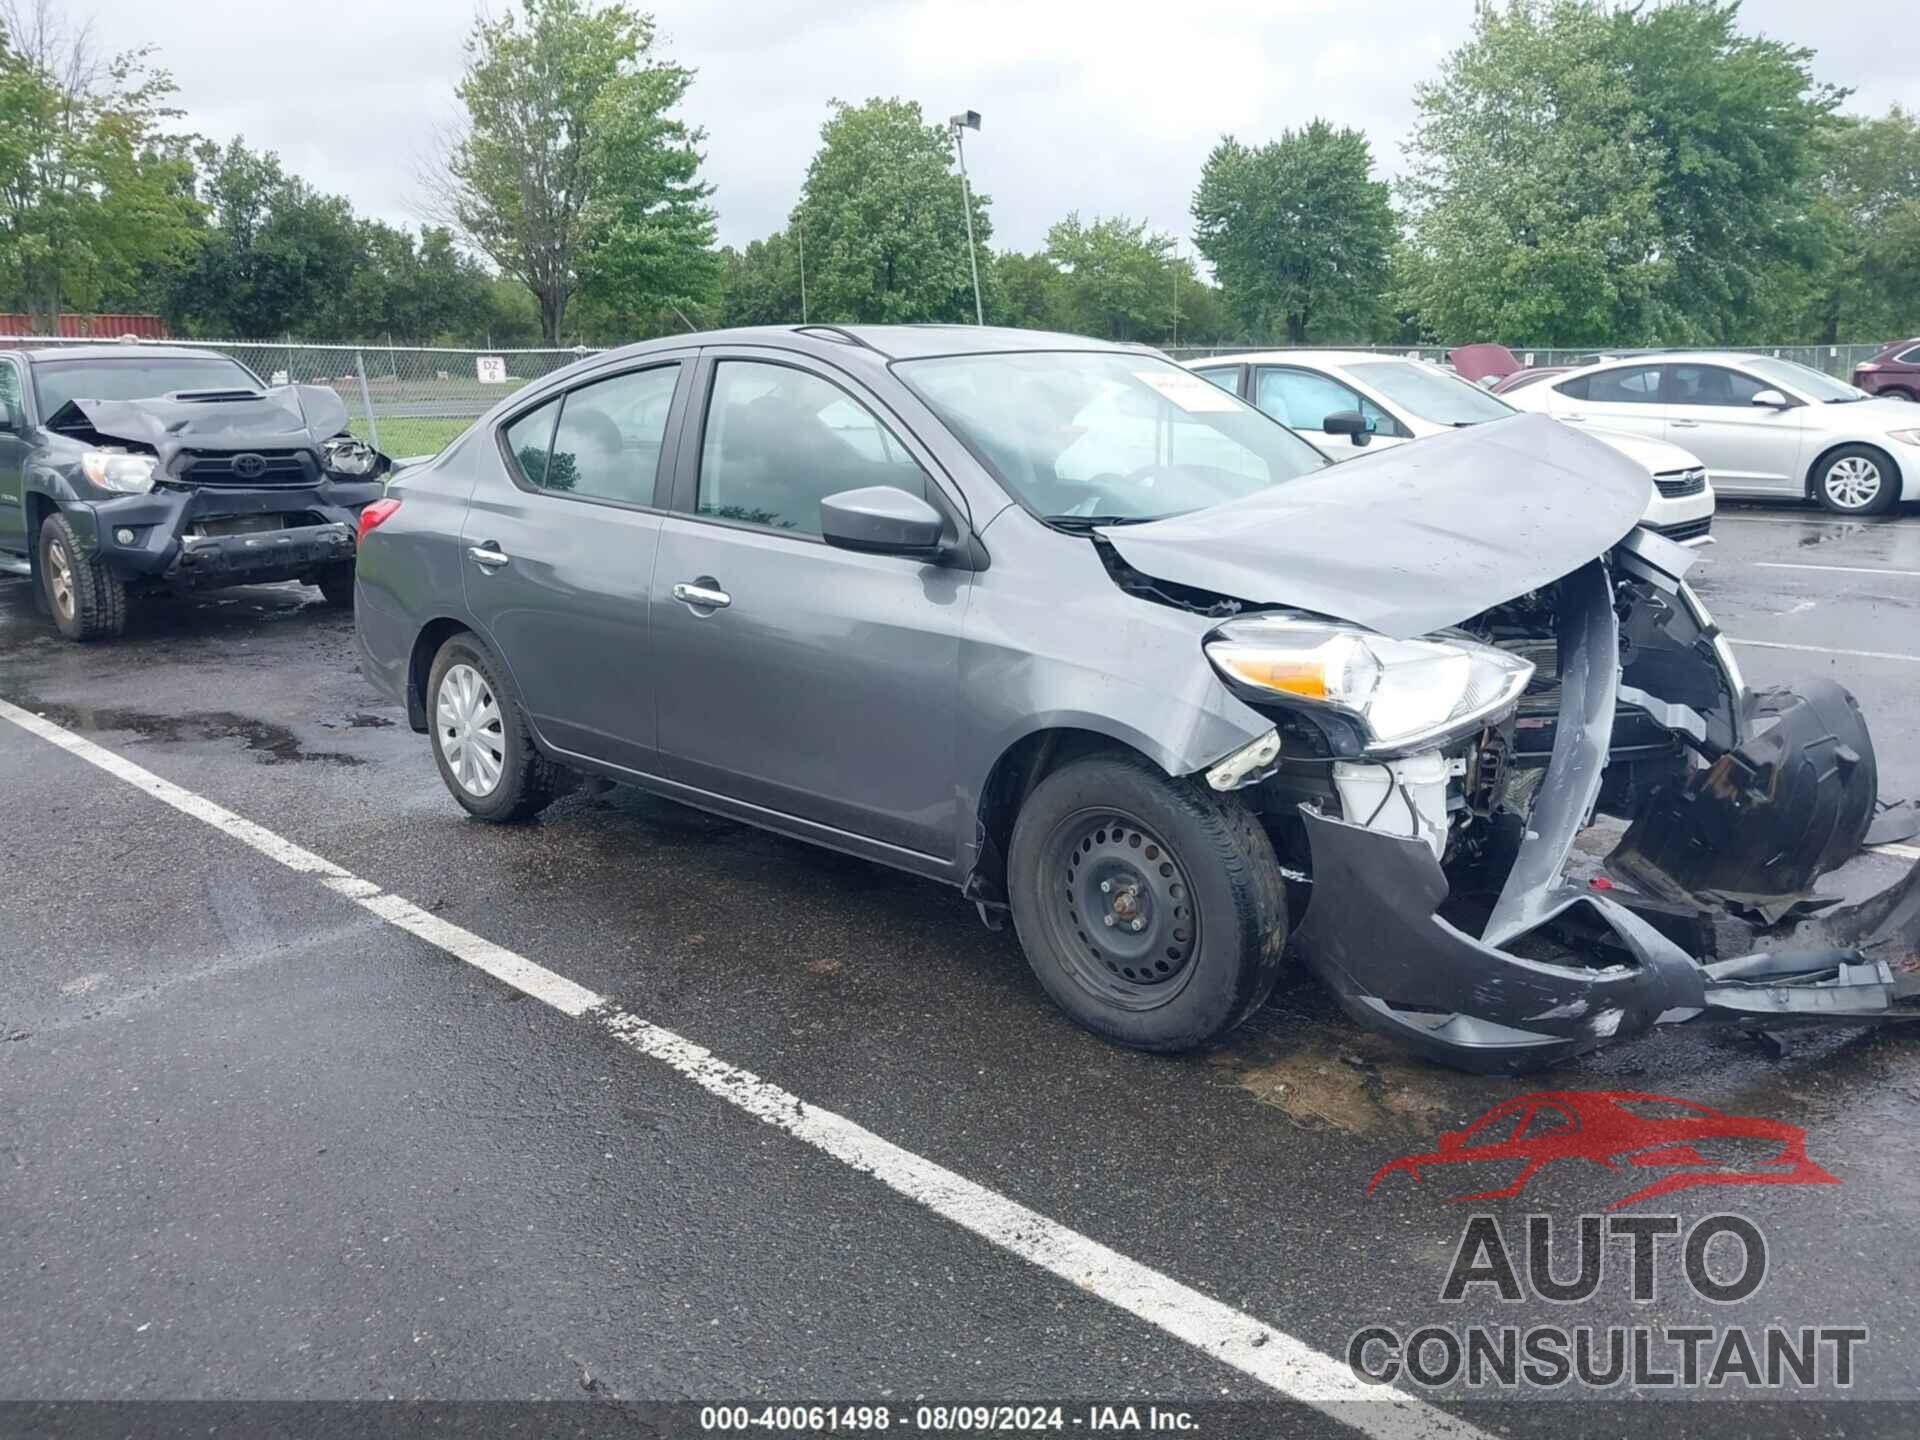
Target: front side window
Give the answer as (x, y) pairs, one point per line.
(1634, 385)
(779, 440)
(1302, 400)
(1709, 385)
(1079, 435)
(1797, 379)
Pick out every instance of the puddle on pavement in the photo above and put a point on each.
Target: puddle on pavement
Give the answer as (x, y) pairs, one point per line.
(271, 744)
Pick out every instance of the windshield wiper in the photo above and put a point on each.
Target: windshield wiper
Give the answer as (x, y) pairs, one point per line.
(1088, 522)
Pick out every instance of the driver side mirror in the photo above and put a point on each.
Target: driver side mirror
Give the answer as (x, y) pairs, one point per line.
(880, 520)
(1350, 423)
(1772, 399)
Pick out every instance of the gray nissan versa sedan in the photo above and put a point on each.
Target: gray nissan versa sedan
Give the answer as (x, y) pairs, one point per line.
(1066, 626)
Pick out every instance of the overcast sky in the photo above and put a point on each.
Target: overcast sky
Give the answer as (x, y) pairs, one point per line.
(1108, 108)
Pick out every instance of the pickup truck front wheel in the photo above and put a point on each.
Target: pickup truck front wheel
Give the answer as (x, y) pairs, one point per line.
(87, 600)
(1151, 909)
(336, 584)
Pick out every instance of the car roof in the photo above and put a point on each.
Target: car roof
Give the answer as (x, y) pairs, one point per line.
(1681, 357)
(1305, 357)
(887, 342)
(123, 351)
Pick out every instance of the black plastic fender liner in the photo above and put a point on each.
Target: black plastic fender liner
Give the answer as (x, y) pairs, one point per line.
(1370, 933)
(1757, 827)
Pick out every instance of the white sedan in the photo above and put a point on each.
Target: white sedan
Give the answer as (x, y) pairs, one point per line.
(1402, 400)
(1766, 427)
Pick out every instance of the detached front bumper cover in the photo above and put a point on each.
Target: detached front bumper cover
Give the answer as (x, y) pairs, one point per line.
(1751, 831)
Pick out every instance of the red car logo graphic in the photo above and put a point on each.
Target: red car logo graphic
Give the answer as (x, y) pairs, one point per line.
(1694, 1144)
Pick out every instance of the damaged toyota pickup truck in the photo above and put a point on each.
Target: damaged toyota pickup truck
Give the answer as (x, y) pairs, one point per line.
(125, 469)
(1073, 629)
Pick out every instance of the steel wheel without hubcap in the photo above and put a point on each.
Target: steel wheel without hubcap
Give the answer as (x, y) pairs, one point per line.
(1123, 910)
(60, 581)
(1853, 483)
(467, 725)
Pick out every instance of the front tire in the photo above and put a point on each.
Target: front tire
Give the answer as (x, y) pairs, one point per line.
(481, 740)
(87, 600)
(1152, 910)
(1856, 480)
(336, 584)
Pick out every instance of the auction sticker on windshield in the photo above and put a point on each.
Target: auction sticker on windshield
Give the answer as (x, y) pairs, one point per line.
(1189, 392)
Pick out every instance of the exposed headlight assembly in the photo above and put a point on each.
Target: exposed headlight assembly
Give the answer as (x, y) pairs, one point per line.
(118, 470)
(344, 455)
(1406, 694)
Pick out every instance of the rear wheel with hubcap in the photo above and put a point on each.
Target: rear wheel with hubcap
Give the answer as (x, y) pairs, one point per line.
(1856, 480)
(481, 740)
(1152, 910)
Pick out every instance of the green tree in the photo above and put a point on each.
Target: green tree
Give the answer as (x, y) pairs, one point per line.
(885, 229)
(761, 283)
(1298, 232)
(1867, 282)
(1117, 279)
(1586, 174)
(94, 189)
(570, 173)
(1026, 291)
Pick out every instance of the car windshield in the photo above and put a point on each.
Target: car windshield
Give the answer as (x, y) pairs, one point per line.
(1429, 394)
(140, 377)
(1107, 437)
(1802, 378)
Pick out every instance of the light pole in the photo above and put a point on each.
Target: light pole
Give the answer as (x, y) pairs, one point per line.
(968, 120)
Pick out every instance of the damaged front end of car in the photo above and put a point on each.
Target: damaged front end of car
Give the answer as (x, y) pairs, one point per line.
(1454, 898)
(205, 489)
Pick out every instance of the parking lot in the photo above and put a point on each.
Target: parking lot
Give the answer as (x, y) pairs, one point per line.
(317, 1089)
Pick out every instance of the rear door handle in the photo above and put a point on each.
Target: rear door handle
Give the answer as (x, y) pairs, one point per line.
(1573, 417)
(704, 597)
(491, 556)
(1686, 424)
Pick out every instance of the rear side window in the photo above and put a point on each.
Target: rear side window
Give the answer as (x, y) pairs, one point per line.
(1227, 379)
(528, 440)
(1908, 357)
(1574, 389)
(607, 445)
(779, 441)
(1633, 385)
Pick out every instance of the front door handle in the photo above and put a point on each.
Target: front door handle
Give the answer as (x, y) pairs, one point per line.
(491, 556)
(1686, 424)
(1573, 417)
(702, 597)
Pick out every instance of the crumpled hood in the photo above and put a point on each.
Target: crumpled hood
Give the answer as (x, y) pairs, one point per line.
(287, 417)
(1413, 539)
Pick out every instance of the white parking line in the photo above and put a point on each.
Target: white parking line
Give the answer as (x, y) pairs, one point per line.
(1843, 569)
(1722, 517)
(1271, 1357)
(1824, 650)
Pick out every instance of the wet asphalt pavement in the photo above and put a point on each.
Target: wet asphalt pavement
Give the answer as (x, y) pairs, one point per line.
(256, 1143)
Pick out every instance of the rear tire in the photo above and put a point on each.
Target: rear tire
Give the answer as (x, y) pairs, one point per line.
(87, 601)
(1856, 480)
(336, 584)
(481, 740)
(1186, 876)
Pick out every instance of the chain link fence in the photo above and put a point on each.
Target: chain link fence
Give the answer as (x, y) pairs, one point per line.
(406, 400)
(1836, 360)
(412, 400)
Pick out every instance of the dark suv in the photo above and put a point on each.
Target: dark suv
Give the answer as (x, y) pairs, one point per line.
(1894, 372)
(129, 467)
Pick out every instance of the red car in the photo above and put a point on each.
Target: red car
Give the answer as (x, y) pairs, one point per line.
(1693, 1144)
(1894, 372)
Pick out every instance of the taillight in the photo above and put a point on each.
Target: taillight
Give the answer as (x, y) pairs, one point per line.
(374, 515)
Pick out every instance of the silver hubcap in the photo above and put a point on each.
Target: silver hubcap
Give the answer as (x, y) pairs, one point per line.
(467, 724)
(1853, 483)
(60, 580)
